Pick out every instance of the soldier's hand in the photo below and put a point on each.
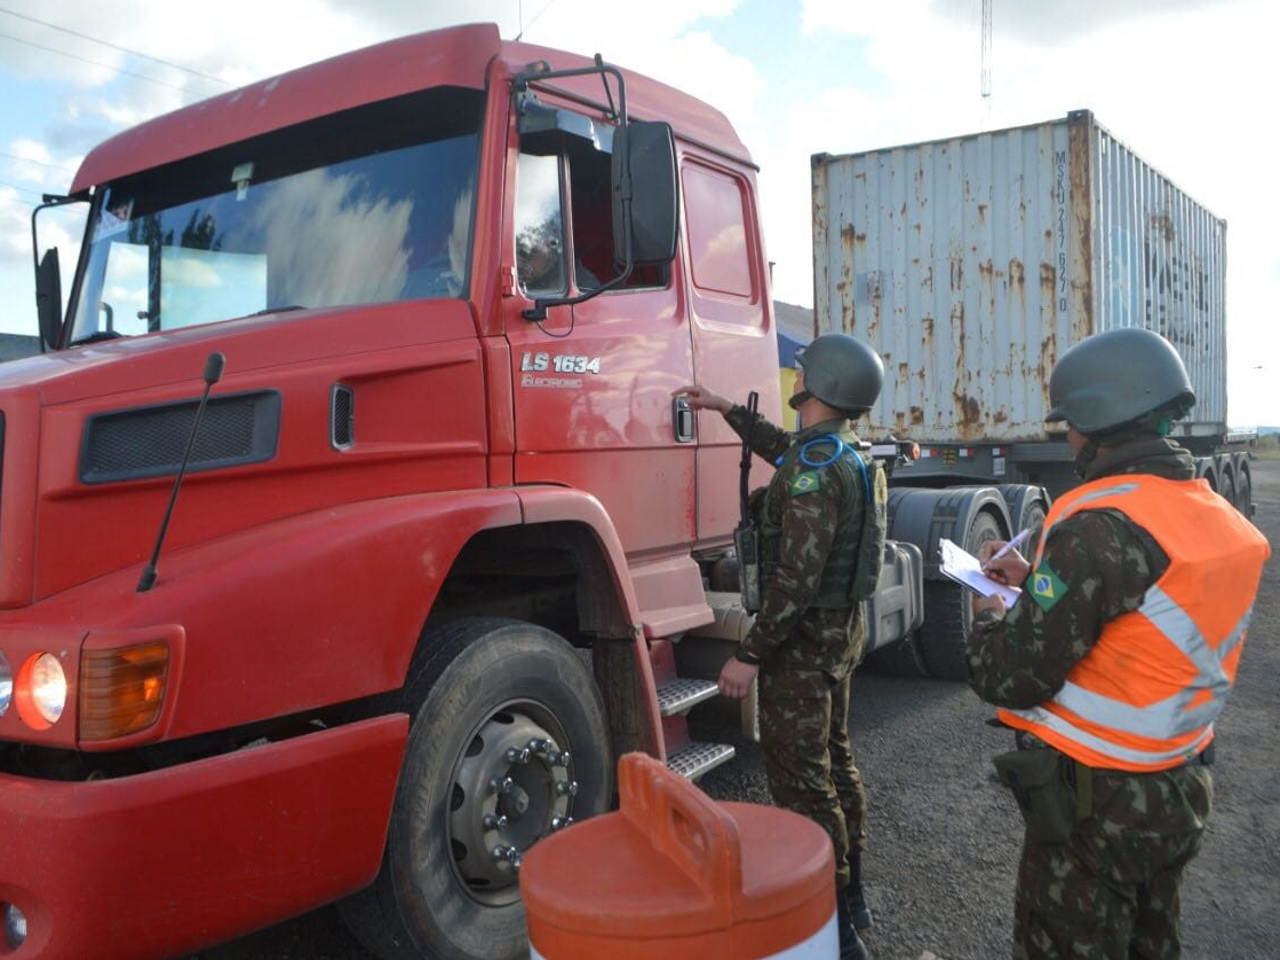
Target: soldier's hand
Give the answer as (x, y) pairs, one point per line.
(736, 677)
(994, 602)
(1011, 569)
(700, 398)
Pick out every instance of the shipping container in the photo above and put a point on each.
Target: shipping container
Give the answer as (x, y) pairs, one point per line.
(972, 264)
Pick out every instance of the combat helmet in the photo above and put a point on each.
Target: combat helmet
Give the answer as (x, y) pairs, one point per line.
(1120, 380)
(842, 372)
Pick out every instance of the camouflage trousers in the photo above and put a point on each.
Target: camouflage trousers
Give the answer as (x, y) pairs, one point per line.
(1111, 891)
(808, 755)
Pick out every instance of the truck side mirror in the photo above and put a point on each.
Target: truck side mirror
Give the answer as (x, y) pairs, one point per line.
(49, 299)
(645, 198)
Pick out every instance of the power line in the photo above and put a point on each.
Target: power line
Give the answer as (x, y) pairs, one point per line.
(113, 46)
(38, 163)
(34, 193)
(96, 63)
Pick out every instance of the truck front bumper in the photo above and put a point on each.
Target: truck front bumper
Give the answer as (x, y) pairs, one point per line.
(167, 862)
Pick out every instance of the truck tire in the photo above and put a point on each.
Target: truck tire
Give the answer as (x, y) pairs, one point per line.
(947, 613)
(1028, 505)
(1227, 488)
(508, 741)
(1244, 492)
(900, 659)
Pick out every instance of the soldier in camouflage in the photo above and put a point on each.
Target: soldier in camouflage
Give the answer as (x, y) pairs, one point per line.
(822, 525)
(1106, 885)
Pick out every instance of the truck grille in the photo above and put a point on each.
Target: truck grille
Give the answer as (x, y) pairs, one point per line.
(150, 441)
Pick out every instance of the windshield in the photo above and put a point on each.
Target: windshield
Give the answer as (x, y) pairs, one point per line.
(368, 206)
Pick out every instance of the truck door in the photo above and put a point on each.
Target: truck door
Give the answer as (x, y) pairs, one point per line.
(593, 382)
(735, 349)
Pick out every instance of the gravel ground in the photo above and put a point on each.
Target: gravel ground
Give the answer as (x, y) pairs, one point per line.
(944, 836)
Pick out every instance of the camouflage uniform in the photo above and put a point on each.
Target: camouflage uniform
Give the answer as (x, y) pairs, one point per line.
(1112, 889)
(809, 650)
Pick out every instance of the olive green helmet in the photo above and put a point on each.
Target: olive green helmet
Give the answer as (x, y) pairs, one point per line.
(1117, 379)
(842, 372)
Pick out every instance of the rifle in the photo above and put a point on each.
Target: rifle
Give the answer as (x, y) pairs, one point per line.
(746, 539)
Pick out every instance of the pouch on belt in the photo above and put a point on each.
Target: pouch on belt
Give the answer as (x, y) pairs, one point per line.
(1038, 780)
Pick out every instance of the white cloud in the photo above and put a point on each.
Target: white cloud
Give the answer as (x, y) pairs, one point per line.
(1181, 81)
(15, 237)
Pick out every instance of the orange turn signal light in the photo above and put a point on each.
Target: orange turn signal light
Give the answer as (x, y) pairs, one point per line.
(122, 690)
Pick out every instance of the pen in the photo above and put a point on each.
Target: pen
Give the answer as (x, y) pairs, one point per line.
(1013, 544)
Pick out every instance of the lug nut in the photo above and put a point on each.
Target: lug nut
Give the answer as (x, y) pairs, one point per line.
(505, 785)
(559, 823)
(505, 854)
(492, 822)
(567, 787)
(538, 746)
(518, 755)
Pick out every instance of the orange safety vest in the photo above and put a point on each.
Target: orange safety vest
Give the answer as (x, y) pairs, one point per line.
(1145, 696)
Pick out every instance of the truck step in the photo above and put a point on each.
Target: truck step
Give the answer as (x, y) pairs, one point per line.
(684, 693)
(696, 758)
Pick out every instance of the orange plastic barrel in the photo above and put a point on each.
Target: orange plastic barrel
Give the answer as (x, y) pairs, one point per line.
(676, 876)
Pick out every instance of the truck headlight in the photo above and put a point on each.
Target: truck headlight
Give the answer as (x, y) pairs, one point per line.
(41, 691)
(6, 684)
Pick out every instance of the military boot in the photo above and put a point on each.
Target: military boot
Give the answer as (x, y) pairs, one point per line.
(857, 902)
(851, 945)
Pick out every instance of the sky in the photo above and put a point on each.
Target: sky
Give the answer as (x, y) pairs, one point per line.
(1187, 84)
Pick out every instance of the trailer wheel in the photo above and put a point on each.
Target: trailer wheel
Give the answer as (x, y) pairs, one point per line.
(508, 743)
(1244, 493)
(947, 613)
(1228, 489)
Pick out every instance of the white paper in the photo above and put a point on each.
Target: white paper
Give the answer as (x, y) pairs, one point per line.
(963, 567)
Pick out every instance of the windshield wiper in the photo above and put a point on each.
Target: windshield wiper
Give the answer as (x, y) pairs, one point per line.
(95, 337)
(284, 309)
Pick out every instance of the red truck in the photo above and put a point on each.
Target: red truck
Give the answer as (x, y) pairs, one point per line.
(444, 545)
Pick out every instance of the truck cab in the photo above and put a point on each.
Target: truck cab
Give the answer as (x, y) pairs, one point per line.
(438, 527)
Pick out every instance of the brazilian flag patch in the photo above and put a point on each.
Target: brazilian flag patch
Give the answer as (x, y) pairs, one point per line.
(1045, 587)
(806, 482)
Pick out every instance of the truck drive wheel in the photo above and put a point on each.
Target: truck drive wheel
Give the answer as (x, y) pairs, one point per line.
(508, 743)
(900, 659)
(947, 612)
(1227, 488)
(1244, 493)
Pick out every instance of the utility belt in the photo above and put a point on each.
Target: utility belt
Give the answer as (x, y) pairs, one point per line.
(1054, 791)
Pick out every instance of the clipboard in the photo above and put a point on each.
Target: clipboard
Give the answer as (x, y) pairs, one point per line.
(963, 567)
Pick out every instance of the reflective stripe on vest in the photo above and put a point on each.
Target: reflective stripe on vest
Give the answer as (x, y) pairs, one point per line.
(1146, 695)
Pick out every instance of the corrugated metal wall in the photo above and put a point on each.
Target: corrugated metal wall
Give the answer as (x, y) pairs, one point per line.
(1163, 260)
(970, 264)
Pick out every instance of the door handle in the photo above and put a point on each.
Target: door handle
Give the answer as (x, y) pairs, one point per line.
(682, 419)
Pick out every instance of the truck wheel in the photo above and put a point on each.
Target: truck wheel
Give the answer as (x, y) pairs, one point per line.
(900, 659)
(947, 613)
(1244, 493)
(1227, 488)
(508, 743)
(1027, 504)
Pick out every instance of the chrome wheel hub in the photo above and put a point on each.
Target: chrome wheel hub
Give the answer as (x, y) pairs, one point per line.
(512, 786)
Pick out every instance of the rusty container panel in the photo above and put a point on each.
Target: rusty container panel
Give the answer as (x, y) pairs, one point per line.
(972, 263)
(1162, 258)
